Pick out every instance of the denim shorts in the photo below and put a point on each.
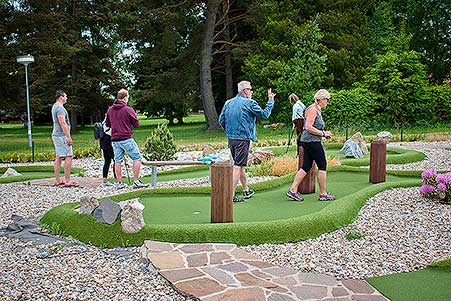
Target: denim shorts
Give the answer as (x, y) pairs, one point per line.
(62, 147)
(128, 146)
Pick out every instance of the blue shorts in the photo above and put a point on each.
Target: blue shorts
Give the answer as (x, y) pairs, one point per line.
(62, 147)
(128, 146)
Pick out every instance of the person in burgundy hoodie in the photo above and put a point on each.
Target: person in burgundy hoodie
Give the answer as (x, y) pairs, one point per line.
(121, 119)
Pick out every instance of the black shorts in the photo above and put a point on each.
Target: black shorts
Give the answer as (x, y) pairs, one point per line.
(240, 151)
(313, 151)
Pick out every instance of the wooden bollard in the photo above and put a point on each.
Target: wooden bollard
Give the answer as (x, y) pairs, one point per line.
(378, 160)
(308, 184)
(221, 207)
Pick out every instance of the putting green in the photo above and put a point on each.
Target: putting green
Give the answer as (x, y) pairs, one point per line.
(182, 214)
(431, 283)
(265, 205)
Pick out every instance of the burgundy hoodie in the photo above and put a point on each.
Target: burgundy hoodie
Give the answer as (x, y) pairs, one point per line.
(121, 118)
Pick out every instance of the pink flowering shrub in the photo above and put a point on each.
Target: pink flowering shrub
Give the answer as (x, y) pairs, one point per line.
(435, 185)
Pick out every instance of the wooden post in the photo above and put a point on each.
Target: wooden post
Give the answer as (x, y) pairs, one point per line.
(221, 193)
(378, 160)
(308, 184)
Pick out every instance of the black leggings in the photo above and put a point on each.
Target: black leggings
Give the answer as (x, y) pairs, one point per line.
(313, 151)
(108, 155)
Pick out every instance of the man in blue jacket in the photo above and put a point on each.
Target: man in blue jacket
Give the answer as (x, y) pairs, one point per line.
(238, 120)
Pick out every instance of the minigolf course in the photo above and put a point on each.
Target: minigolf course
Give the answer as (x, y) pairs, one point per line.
(182, 214)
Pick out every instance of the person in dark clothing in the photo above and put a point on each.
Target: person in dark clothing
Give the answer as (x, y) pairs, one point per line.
(108, 153)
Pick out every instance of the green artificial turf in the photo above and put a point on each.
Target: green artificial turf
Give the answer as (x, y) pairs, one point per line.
(323, 217)
(264, 206)
(32, 172)
(395, 155)
(431, 284)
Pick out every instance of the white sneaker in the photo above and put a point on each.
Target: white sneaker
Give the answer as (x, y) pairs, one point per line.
(107, 185)
(120, 185)
(139, 184)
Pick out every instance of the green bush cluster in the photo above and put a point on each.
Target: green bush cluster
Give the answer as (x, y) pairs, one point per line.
(17, 157)
(20, 157)
(160, 144)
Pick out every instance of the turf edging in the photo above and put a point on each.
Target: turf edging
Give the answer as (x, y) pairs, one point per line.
(337, 214)
(32, 168)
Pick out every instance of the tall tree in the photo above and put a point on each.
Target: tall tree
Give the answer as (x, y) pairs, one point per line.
(287, 57)
(206, 90)
(429, 23)
(71, 49)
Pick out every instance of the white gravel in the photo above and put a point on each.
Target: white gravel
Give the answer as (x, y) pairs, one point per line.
(402, 232)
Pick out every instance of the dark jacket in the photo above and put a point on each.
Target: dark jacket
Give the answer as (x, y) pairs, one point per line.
(121, 118)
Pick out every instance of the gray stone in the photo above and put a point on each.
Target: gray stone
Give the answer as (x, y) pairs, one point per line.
(279, 297)
(309, 292)
(107, 212)
(234, 267)
(259, 156)
(197, 260)
(132, 219)
(357, 286)
(88, 204)
(315, 278)
(351, 149)
(384, 135)
(220, 276)
(10, 172)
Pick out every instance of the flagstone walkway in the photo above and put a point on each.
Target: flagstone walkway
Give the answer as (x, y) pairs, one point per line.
(217, 271)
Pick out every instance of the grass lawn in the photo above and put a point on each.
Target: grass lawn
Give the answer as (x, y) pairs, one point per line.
(14, 136)
(431, 283)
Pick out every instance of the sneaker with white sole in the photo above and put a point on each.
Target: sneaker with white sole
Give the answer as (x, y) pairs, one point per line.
(295, 196)
(120, 185)
(107, 185)
(139, 184)
(327, 197)
(248, 193)
(237, 199)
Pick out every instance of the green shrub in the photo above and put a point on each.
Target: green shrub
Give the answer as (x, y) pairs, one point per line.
(353, 234)
(160, 144)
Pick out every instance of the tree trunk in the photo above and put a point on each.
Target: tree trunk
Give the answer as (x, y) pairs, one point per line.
(73, 116)
(206, 89)
(228, 56)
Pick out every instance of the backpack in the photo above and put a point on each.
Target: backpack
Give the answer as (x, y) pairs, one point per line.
(98, 130)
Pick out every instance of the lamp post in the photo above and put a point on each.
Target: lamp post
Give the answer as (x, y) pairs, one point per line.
(25, 60)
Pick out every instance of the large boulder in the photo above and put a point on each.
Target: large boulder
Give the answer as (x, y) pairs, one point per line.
(132, 219)
(351, 149)
(386, 136)
(259, 156)
(88, 204)
(107, 212)
(10, 172)
(358, 138)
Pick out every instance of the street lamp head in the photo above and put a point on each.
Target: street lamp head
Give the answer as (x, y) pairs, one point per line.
(25, 59)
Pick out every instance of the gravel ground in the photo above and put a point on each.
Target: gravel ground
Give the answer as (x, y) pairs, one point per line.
(402, 232)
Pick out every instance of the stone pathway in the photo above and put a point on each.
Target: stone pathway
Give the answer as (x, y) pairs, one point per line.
(83, 181)
(217, 271)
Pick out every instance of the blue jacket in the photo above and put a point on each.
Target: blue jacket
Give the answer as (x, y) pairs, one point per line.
(238, 117)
